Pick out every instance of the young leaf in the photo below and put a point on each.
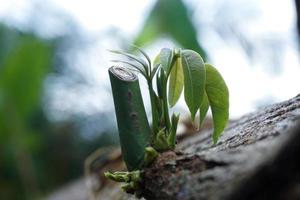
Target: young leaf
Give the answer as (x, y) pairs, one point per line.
(218, 97)
(203, 109)
(166, 57)
(156, 64)
(194, 79)
(175, 83)
(132, 57)
(172, 134)
(136, 67)
(144, 54)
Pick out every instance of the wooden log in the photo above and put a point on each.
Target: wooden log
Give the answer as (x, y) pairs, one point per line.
(258, 157)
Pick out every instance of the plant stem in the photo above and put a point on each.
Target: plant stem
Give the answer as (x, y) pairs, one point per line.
(165, 103)
(134, 129)
(155, 120)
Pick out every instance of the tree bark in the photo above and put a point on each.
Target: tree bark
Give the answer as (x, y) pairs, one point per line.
(257, 157)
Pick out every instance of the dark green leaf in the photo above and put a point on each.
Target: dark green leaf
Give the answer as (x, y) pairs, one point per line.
(194, 79)
(218, 97)
(175, 82)
(23, 72)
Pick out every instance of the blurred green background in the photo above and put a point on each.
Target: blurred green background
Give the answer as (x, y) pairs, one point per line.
(55, 101)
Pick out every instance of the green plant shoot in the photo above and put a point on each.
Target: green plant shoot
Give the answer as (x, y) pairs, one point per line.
(175, 71)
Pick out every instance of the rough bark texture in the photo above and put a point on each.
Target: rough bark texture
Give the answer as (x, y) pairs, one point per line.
(257, 157)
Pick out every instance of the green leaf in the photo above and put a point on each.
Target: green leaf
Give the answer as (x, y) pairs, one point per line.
(136, 67)
(203, 109)
(22, 73)
(175, 83)
(166, 58)
(156, 64)
(218, 97)
(133, 57)
(194, 79)
(160, 23)
(172, 134)
(144, 54)
(156, 60)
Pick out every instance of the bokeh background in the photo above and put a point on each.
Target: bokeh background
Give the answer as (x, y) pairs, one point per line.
(55, 99)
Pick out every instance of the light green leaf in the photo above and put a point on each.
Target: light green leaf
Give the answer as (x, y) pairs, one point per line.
(144, 54)
(156, 64)
(203, 109)
(172, 134)
(218, 97)
(166, 57)
(194, 79)
(133, 57)
(156, 60)
(175, 82)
